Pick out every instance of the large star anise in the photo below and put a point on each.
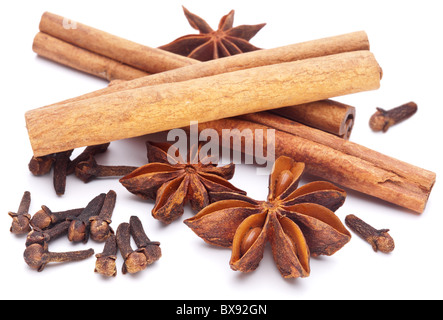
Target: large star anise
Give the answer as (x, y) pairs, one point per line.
(172, 182)
(298, 222)
(210, 44)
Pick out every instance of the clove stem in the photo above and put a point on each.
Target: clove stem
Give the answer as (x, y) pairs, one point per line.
(80, 226)
(105, 264)
(134, 261)
(380, 240)
(37, 256)
(382, 119)
(45, 218)
(21, 218)
(44, 237)
(100, 225)
(151, 249)
(61, 164)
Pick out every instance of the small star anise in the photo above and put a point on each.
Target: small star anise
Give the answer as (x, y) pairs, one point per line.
(298, 222)
(172, 182)
(210, 44)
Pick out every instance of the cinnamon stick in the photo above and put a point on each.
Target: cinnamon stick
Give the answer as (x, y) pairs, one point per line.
(80, 59)
(349, 42)
(339, 161)
(151, 60)
(136, 112)
(84, 60)
(327, 115)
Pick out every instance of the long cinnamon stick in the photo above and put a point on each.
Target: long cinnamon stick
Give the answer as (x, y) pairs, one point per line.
(349, 42)
(77, 58)
(151, 60)
(339, 120)
(157, 108)
(337, 160)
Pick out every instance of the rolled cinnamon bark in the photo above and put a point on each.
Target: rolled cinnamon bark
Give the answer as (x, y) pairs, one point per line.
(157, 108)
(327, 115)
(77, 58)
(151, 60)
(342, 162)
(349, 42)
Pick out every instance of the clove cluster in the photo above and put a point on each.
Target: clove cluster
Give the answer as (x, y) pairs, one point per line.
(84, 166)
(79, 225)
(137, 260)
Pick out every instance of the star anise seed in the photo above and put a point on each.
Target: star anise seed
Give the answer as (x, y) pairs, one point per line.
(210, 44)
(172, 182)
(298, 222)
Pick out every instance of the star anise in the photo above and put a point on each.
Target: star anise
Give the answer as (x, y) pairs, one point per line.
(210, 44)
(298, 222)
(172, 182)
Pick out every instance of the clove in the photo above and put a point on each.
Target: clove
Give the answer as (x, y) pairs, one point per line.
(38, 256)
(86, 154)
(21, 218)
(79, 227)
(63, 165)
(380, 240)
(134, 261)
(100, 225)
(89, 169)
(105, 264)
(40, 166)
(43, 237)
(151, 249)
(382, 119)
(45, 218)
(61, 171)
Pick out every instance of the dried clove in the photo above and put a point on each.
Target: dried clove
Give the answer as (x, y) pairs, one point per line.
(134, 261)
(382, 119)
(21, 218)
(79, 227)
(151, 249)
(40, 166)
(45, 218)
(100, 225)
(89, 169)
(105, 264)
(38, 256)
(61, 164)
(43, 237)
(380, 240)
(86, 154)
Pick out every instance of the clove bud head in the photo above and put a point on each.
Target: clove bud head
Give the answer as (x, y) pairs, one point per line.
(383, 242)
(77, 231)
(20, 223)
(100, 229)
(105, 265)
(36, 257)
(135, 262)
(86, 170)
(41, 219)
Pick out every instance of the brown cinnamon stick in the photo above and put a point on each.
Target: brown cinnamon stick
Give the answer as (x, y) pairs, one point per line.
(80, 59)
(157, 108)
(98, 65)
(151, 60)
(349, 42)
(327, 115)
(342, 162)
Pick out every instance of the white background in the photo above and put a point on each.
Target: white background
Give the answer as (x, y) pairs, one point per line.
(406, 38)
